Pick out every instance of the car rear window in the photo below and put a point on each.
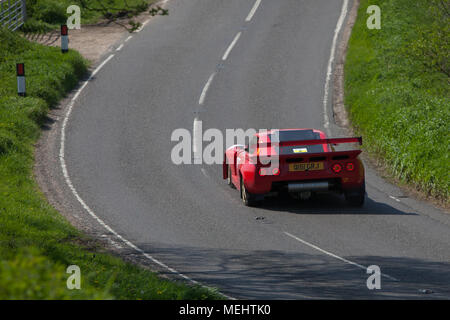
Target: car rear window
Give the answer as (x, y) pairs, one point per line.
(294, 135)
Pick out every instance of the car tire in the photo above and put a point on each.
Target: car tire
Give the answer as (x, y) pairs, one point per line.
(229, 179)
(356, 198)
(247, 198)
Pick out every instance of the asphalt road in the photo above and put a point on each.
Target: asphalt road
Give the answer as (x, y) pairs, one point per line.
(118, 156)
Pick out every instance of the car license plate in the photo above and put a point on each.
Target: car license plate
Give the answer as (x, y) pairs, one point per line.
(306, 166)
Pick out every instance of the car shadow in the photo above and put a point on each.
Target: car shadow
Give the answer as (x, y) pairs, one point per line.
(328, 204)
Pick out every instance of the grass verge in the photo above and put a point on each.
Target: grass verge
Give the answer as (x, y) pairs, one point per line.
(36, 243)
(397, 91)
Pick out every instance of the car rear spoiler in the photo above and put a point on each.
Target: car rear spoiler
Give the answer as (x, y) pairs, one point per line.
(331, 155)
(333, 141)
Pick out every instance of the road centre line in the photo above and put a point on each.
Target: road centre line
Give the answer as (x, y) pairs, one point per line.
(227, 52)
(201, 101)
(253, 10)
(231, 46)
(335, 256)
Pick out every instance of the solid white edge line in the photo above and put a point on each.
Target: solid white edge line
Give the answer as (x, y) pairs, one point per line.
(81, 201)
(253, 10)
(330, 65)
(335, 256)
(163, 5)
(230, 47)
(205, 89)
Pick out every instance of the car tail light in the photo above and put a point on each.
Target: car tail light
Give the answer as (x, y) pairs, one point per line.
(276, 171)
(262, 172)
(337, 168)
(350, 166)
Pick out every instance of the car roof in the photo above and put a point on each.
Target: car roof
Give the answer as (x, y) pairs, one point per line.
(269, 132)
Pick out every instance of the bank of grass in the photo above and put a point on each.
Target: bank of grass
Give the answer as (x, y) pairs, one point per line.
(36, 243)
(397, 91)
(47, 15)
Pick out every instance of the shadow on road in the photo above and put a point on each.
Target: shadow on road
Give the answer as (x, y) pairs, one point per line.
(292, 275)
(332, 204)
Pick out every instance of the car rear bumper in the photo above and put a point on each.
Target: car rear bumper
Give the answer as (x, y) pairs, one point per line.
(331, 184)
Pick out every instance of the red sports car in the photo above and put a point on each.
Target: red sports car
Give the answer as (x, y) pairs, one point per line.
(298, 161)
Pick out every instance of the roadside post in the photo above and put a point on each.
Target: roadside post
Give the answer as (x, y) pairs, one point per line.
(64, 38)
(21, 89)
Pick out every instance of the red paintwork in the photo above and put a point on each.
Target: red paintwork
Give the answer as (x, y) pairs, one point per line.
(247, 165)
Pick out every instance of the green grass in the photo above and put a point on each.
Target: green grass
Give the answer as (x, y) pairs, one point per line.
(397, 99)
(36, 243)
(46, 15)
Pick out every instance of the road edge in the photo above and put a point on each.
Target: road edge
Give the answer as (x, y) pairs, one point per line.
(342, 119)
(54, 185)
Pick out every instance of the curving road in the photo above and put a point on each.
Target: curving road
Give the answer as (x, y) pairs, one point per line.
(267, 64)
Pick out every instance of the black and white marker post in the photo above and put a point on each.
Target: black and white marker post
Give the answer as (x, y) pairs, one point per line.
(21, 90)
(64, 38)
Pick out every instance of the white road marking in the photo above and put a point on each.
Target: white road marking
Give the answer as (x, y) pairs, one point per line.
(330, 65)
(201, 101)
(396, 199)
(129, 37)
(142, 26)
(120, 47)
(252, 12)
(335, 256)
(204, 172)
(163, 5)
(230, 47)
(81, 201)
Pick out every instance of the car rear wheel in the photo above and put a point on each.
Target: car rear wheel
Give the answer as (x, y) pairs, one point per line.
(356, 198)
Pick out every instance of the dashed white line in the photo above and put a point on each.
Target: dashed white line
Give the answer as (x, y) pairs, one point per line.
(396, 199)
(142, 26)
(335, 256)
(204, 172)
(330, 65)
(230, 47)
(120, 47)
(201, 101)
(129, 37)
(252, 12)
